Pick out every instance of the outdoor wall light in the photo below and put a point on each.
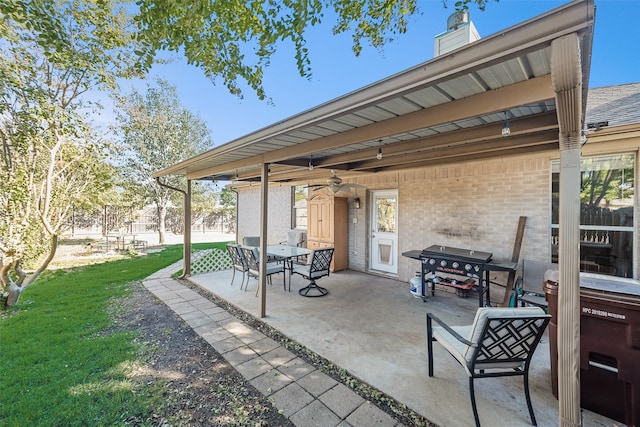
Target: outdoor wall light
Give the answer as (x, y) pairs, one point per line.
(506, 130)
(379, 155)
(356, 203)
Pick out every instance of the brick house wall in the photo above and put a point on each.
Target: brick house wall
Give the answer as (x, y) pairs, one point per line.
(471, 205)
(475, 204)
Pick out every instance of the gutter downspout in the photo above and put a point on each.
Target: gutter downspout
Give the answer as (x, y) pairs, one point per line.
(186, 254)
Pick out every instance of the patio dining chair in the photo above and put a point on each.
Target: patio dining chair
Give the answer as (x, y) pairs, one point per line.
(500, 342)
(252, 241)
(529, 286)
(253, 262)
(239, 262)
(318, 266)
(296, 238)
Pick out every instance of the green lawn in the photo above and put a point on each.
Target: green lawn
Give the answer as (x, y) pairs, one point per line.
(59, 364)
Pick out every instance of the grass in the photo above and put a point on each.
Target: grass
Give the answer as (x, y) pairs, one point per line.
(61, 364)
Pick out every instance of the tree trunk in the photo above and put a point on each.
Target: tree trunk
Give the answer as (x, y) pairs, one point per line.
(16, 289)
(162, 218)
(14, 292)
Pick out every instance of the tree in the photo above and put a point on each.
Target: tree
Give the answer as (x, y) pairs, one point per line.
(228, 208)
(157, 132)
(234, 39)
(51, 55)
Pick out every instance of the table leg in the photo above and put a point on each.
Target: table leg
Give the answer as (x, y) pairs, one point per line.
(482, 284)
(487, 282)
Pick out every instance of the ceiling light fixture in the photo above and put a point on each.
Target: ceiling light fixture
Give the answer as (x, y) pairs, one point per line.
(506, 130)
(310, 164)
(379, 155)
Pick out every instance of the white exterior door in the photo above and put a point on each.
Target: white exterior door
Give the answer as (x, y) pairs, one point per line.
(384, 231)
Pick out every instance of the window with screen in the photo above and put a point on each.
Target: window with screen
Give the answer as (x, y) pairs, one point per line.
(299, 214)
(607, 211)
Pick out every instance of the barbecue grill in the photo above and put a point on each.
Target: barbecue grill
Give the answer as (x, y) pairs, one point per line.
(454, 261)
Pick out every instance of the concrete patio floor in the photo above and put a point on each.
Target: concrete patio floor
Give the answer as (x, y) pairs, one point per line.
(375, 329)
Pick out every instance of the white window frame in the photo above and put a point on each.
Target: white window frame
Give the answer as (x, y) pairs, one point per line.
(555, 165)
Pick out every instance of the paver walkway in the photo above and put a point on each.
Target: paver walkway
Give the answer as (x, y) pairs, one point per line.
(305, 395)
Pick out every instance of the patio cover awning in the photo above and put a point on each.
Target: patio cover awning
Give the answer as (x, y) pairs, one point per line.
(446, 110)
(449, 109)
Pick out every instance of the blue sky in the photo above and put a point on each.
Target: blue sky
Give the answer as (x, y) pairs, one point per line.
(337, 71)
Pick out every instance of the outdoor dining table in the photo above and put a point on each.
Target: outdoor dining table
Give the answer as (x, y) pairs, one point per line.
(121, 243)
(287, 254)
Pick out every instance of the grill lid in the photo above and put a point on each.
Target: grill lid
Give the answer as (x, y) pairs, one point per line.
(446, 252)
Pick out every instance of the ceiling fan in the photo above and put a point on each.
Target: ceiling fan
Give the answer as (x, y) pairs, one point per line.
(334, 184)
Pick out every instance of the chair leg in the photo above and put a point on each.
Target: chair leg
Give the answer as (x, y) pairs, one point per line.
(528, 397)
(234, 276)
(430, 346)
(473, 402)
(313, 286)
(242, 284)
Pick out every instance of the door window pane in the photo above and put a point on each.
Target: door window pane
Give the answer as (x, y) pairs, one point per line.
(386, 217)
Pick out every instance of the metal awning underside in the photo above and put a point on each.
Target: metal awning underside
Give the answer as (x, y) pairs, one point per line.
(449, 109)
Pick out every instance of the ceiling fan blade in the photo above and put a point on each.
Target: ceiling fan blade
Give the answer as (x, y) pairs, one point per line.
(354, 186)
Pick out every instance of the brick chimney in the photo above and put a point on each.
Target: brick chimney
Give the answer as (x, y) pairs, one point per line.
(460, 32)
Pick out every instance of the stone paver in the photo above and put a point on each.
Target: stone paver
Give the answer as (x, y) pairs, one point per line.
(341, 400)
(216, 334)
(315, 414)
(264, 345)
(240, 355)
(220, 316)
(200, 322)
(306, 396)
(317, 383)
(227, 345)
(291, 399)
(271, 381)
(296, 368)
(278, 356)
(253, 367)
(368, 415)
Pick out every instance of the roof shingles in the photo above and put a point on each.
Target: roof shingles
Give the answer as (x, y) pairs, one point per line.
(618, 105)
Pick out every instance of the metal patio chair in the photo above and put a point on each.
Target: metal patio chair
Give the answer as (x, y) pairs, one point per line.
(500, 342)
(318, 266)
(529, 286)
(239, 262)
(252, 241)
(296, 238)
(253, 262)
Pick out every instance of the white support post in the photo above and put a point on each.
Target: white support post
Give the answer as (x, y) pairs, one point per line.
(186, 251)
(566, 75)
(264, 205)
(569, 288)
